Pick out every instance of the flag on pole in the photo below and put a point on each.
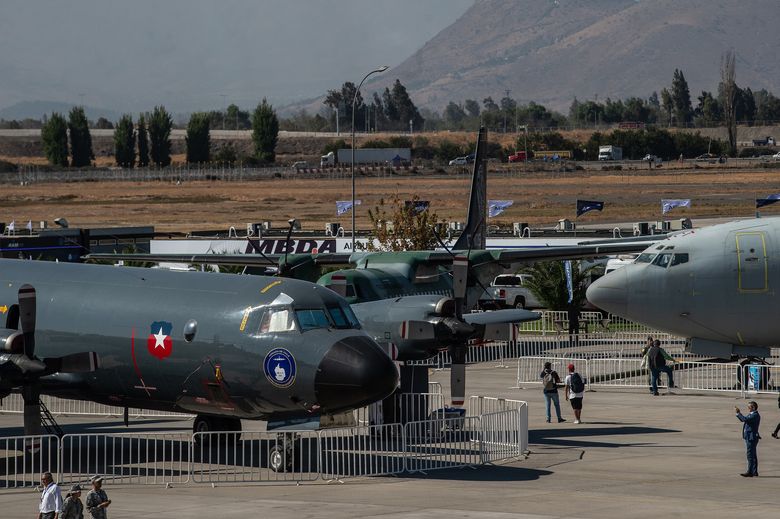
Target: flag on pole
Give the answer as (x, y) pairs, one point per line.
(771, 199)
(11, 226)
(583, 206)
(29, 225)
(668, 205)
(496, 207)
(569, 280)
(342, 206)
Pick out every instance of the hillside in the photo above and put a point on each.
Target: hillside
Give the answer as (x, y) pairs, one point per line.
(550, 51)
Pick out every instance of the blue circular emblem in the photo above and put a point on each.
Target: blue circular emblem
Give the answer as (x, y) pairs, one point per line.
(279, 367)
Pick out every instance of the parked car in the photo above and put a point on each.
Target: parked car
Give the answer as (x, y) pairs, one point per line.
(471, 158)
(509, 291)
(459, 161)
(776, 156)
(301, 164)
(518, 156)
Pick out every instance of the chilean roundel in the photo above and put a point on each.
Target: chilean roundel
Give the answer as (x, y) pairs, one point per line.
(159, 341)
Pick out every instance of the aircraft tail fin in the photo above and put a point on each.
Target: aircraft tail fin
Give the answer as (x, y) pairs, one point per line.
(474, 236)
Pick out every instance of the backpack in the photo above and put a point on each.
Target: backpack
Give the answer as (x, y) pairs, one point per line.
(549, 381)
(576, 384)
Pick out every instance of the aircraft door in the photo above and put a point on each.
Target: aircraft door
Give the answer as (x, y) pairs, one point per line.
(753, 268)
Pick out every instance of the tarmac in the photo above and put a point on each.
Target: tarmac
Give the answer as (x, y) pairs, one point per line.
(635, 455)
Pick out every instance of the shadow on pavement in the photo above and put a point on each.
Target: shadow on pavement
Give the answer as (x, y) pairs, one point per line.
(573, 437)
(483, 473)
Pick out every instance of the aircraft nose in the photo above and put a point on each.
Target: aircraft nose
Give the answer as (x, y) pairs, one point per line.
(353, 373)
(610, 292)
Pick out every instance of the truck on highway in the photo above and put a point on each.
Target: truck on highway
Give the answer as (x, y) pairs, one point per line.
(510, 291)
(610, 153)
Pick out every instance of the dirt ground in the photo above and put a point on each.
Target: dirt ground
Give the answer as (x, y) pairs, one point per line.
(540, 198)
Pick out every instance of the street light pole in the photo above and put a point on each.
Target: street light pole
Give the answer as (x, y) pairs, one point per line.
(352, 165)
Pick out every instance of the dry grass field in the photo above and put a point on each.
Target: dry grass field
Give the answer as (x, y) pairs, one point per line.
(541, 198)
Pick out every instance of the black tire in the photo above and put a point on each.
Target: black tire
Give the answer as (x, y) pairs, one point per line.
(277, 459)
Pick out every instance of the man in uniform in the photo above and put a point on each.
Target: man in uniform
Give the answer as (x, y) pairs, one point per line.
(97, 500)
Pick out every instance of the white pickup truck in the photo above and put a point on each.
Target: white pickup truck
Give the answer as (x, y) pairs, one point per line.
(508, 291)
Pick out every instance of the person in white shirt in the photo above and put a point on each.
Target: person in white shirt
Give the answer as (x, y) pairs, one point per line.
(51, 499)
(575, 391)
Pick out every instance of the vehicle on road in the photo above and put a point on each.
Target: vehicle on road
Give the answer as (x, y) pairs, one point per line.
(610, 153)
(776, 156)
(459, 161)
(301, 164)
(518, 156)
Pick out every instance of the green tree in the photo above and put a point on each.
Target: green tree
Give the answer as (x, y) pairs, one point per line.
(341, 100)
(707, 112)
(454, 114)
(406, 109)
(681, 98)
(548, 283)
(728, 88)
(667, 105)
(265, 131)
(160, 125)
(54, 134)
(103, 124)
(472, 107)
(397, 226)
(80, 138)
(124, 142)
(143, 143)
(197, 139)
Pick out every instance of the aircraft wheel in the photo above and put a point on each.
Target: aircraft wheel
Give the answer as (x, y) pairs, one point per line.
(205, 424)
(277, 458)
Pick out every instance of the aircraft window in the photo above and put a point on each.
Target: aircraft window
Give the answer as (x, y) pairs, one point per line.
(679, 259)
(350, 291)
(338, 317)
(311, 319)
(646, 257)
(662, 260)
(277, 320)
(351, 317)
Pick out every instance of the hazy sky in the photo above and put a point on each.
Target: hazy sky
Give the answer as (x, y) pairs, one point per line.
(131, 55)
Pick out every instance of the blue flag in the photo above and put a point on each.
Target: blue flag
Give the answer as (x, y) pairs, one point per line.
(569, 280)
(583, 206)
(342, 206)
(668, 205)
(496, 207)
(771, 199)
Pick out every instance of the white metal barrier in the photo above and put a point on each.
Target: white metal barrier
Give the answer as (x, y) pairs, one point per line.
(443, 443)
(138, 458)
(376, 450)
(24, 458)
(502, 435)
(258, 456)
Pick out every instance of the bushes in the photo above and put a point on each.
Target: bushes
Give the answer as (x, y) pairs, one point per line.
(667, 145)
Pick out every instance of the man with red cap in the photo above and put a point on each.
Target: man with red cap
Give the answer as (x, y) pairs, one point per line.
(575, 390)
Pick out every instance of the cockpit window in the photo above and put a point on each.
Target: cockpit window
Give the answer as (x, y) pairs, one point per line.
(277, 319)
(351, 317)
(646, 257)
(679, 259)
(662, 260)
(312, 319)
(338, 317)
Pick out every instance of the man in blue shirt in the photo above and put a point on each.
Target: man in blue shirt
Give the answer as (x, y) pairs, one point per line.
(750, 434)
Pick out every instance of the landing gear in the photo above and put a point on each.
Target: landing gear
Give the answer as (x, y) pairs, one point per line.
(283, 452)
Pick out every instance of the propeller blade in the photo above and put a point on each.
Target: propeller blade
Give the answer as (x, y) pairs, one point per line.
(458, 374)
(460, 273)
(418, 330)
(83, 362)
(31, 394)
(23, 363)
(502, 316)
(27, 303)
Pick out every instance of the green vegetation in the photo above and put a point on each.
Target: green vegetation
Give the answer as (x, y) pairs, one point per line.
(80, 138)
(124, 142)
(54, 135)
(548, 283)
(397, 226)
(160, 125)
(197, 139)
(265, 132)
(143, 143)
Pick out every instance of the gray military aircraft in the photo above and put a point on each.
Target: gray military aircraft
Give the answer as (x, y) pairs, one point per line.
(220, 346)
(715, 286)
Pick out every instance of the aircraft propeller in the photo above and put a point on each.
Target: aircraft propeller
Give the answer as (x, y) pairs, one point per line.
(20, 367)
